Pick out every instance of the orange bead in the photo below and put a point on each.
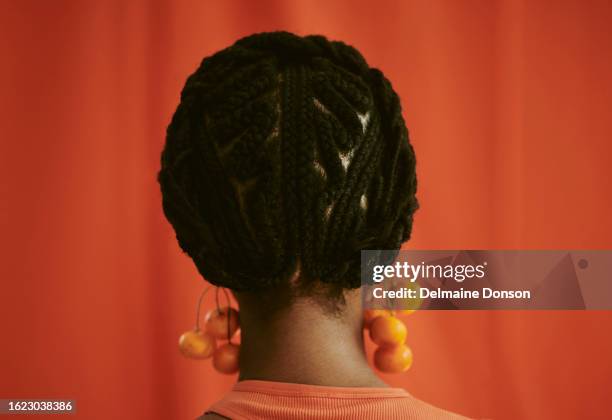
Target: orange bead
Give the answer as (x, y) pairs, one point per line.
(226, 357)
(217, 322)
(387, 330)
(369, 315)
(197, 344)
(393, 359)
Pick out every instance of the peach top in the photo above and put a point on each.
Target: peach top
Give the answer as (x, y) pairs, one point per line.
(276, 400)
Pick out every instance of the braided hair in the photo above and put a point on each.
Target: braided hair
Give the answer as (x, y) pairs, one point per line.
(287, 150)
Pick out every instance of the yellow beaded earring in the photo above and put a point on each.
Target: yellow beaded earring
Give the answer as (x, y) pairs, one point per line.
(389, 333)
(221, 323)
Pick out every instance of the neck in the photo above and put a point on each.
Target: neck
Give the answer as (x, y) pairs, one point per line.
(303, 343)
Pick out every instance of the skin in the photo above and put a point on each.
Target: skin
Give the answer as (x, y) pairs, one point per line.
(304, 341)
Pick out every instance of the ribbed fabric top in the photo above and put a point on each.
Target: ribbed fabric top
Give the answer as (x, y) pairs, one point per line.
(287, 401)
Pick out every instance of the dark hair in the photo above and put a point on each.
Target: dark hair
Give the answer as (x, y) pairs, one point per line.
(286, 150)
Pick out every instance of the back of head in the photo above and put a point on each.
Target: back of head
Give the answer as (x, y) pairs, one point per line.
(287, 152)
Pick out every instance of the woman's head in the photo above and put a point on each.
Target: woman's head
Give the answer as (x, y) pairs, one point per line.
(287, 154)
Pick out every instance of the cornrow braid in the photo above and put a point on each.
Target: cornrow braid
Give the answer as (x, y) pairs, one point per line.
(286, 150)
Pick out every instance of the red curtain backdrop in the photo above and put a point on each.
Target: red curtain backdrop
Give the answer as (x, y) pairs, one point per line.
(508, 105)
